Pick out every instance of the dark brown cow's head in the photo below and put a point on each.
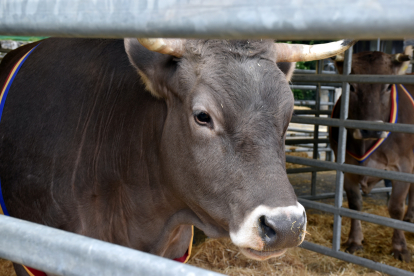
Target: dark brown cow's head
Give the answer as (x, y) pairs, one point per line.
(371, 102)
(222, 153)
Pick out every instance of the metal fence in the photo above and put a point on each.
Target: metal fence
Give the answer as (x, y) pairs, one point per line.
(284, 20)
(337, 210)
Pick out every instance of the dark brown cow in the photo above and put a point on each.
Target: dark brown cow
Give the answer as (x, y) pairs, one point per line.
(84, 148)
(373, 102)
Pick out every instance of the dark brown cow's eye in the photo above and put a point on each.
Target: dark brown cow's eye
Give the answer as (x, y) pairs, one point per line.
(202, 118)
(389, 87)
(351, 88)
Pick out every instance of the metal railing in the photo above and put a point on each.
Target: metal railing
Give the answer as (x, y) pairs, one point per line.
(285, 20)
(63, 253)
(340, 167)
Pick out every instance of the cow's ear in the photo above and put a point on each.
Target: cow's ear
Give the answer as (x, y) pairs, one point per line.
(287, 68)
(151, 66)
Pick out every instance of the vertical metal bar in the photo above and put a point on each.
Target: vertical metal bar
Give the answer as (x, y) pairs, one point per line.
(319, 67)
(378, 44)
(339, 183)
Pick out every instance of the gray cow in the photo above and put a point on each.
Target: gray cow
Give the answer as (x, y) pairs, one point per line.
(133, 142)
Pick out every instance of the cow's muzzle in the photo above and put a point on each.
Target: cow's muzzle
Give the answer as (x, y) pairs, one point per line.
(363, 134)
(269, 232)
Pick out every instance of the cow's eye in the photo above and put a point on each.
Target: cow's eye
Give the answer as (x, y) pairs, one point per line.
(202, 118)
(389, 87)
(351, 88)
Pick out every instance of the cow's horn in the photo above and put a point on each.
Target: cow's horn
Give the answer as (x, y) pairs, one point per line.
(401, 57)
(174, 47)
(299, 52)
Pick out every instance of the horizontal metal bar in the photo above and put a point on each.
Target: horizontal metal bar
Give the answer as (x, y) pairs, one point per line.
(306, 102)
(389, 222)
(304, 141)
(353, 78)
(332, 195)
(311, 112)
(286, 20)
(406, 128)
(304, 71)
(63, 253)
(305, 170)
(301, 134)
(405, 177)
(311, 87)
(307, 150)
(355, 260)
(333, 84)
(311, 145)
(300, 130)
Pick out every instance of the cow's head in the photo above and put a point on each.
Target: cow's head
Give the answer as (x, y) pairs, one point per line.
(371, 102)
(222, 152)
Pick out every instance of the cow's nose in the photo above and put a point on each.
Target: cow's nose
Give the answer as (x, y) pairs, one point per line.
(282, 232)
(373, 134)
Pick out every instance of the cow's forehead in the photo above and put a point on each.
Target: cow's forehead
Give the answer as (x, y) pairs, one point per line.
(372, 63)
(225, 49)
(246, 84)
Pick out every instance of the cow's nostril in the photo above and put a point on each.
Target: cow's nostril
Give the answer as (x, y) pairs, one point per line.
(267, 231)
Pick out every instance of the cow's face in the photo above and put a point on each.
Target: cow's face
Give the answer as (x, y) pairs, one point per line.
(222, 150)
(371, 102)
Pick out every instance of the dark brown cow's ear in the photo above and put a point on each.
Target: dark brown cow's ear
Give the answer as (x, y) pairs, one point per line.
(287, 68)
(151, 66)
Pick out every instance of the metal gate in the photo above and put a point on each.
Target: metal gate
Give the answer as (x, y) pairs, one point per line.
(285, 20)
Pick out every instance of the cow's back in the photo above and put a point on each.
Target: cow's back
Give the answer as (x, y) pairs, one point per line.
(73, 119)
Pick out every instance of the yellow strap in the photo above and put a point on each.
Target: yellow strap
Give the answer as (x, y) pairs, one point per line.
(191, 244)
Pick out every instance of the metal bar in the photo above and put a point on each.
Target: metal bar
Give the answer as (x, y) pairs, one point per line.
(389, 222)
(378, 44)
(406, 128)
(300, 130)
(332, 195)
(306, 150)
(304, 141)
(63, 253)
(306, 71)
(305, 170)
(310, 146)
(404, 177)
(311, 112)
(285, 20)
(302, 134)
(310, 87)
(356, 260)
(332, 84)
(353, 78)
(306, 102)
(319, 66)
(341, 152)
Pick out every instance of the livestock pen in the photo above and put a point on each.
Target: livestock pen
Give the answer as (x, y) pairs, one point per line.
(68, 254)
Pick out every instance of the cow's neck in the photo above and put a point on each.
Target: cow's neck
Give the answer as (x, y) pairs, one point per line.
(133, 207)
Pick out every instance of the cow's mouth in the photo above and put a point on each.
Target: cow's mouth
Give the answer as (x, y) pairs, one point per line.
(261, 255)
